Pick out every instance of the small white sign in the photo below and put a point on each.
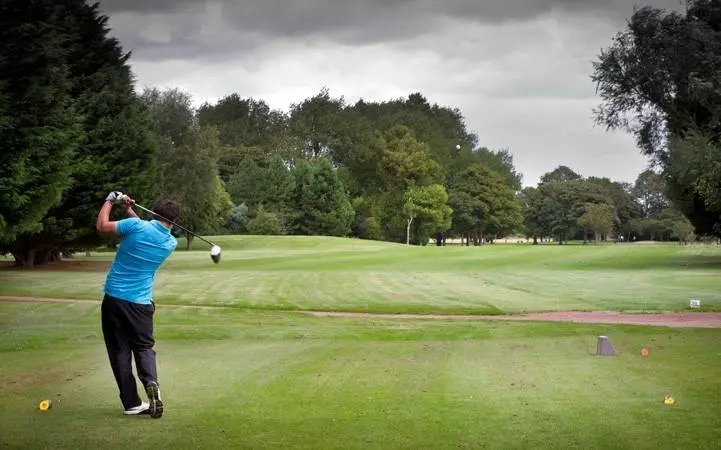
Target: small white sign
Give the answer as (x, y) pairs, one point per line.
(695, 304)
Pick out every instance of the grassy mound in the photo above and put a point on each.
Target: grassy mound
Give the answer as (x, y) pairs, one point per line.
(323, 273)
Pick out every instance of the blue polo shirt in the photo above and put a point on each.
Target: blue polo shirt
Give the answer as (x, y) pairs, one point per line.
(144, 247)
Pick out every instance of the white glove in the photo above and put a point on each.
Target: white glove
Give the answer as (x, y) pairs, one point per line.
(115, 197)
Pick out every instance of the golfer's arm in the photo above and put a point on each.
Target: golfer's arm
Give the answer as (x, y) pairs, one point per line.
(131, 213)
(103, 224)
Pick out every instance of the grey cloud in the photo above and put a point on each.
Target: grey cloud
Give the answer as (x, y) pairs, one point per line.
(145, 6)
(238, 26)
(310, 14)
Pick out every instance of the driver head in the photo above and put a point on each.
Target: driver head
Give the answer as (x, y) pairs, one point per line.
(215, 254)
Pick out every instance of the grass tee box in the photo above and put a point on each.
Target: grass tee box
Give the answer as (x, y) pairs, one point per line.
(236, 379)
(318, 273)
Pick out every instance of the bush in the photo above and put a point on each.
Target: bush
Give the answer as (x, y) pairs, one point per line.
(370, 228)
(265, 223)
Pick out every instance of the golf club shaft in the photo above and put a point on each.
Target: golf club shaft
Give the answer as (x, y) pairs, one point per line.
(173, 223)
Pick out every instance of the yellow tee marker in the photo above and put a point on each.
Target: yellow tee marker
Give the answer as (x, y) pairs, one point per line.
(45, 405)
(669, 400)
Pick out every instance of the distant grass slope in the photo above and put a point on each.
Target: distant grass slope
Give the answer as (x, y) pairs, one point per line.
(323, 273)
(233, 379)
(245, 242)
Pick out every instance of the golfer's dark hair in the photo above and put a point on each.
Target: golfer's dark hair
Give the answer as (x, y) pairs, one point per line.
(168, 209)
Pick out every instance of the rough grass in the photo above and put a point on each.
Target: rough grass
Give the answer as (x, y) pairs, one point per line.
(237, 379)
(322, 273)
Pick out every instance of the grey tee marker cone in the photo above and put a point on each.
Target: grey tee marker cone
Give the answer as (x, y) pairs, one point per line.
(604, 347)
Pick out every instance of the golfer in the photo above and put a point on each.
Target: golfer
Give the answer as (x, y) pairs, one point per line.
(128, 307)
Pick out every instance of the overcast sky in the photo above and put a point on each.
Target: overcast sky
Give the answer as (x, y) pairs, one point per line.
(517, 69)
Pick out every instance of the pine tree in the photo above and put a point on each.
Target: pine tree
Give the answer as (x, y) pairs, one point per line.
(40, 130)
(320, 203)
(278, 182)
(119, 148)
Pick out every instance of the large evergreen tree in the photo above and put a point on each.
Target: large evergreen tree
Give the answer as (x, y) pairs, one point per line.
(320, 202)
(40, 129)
(118, 151)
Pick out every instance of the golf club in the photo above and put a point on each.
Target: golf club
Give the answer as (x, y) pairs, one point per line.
(215, 249)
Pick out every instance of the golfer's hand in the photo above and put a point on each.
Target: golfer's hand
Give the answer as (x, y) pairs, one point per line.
(114, 197)
(126, 201)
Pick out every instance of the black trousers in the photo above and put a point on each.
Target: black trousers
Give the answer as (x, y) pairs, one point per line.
(128, 332)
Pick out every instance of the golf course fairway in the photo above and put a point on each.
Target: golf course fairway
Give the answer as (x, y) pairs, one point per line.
(242, 366)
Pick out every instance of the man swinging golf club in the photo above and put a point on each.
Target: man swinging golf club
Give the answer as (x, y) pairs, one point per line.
(128, 307)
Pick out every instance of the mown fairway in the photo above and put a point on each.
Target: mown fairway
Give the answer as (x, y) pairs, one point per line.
(351, 275)
(284, 380)
(234, 377)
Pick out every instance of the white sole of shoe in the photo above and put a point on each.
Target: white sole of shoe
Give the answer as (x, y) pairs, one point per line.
(144, 408)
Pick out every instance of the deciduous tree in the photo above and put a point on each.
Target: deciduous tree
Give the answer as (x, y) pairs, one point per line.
(598, 218)
(428, 207)
(659, 80)
(483, 205)
(188, 162)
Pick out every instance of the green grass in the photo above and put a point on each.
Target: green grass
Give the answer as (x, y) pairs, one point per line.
(263, 379)
(316, 273)
(249, 372)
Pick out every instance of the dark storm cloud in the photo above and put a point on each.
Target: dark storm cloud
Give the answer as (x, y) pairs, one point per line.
(244, 24)
(144, 6)
(302, 16)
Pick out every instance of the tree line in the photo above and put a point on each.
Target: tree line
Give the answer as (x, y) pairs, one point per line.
(565, 206)
(402, 170)
(73, 127)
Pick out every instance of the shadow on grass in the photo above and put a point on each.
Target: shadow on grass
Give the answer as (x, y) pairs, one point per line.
(686, 262)
(679, 262)
(65, 265)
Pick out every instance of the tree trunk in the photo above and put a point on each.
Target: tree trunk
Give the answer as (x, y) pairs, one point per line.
(42, 256)
(408, 231)
(24, 258)
(189, 239)
(535, 240)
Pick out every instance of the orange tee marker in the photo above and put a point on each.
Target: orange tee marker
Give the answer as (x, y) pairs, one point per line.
(644, 352)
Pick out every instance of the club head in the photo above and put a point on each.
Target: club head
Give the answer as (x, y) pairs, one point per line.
(215, 254)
